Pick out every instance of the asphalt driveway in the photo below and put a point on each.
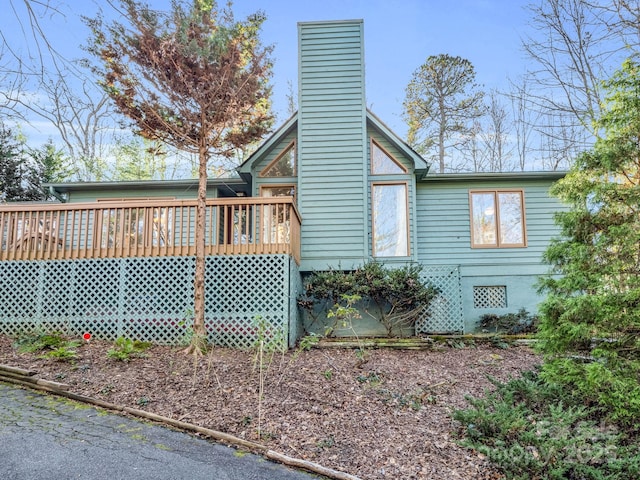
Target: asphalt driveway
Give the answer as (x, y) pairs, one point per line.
(46, 437)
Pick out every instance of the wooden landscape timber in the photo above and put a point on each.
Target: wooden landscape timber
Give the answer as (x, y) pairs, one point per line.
(27, 378)
(420, 343)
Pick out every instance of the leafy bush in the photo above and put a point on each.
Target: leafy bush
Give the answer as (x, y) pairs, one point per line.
(52, 345)
(125, 348)
(530, 428)
(510, 323)
(65, 352)
(399, 294)
(37, 341)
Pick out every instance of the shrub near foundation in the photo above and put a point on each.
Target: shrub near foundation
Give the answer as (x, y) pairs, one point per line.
(398, 295)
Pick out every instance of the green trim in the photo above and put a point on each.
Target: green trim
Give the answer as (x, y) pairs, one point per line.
(131, 184)
(483, 176)
(330, 22)
(224, 186)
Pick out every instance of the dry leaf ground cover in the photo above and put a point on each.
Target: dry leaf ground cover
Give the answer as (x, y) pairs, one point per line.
(384, 416)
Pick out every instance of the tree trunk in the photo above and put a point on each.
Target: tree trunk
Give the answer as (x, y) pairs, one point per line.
(441, 134)
(199, 340)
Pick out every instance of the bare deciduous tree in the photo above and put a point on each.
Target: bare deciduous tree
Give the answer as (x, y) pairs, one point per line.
(495, 135)
(627, 26)
(524, 119)
(570, 52)
(472, 148)
(38, 83)
(79, 112)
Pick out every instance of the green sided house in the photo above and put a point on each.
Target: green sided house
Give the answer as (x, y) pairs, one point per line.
(332, 188)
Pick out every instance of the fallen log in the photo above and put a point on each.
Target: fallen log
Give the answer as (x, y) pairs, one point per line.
(313, 467)
(18, 371)
(221, 436)
(28, 376)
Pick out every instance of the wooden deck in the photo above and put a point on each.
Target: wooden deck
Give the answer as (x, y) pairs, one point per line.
(146, 228)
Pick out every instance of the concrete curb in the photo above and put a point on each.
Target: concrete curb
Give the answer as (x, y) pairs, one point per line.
(27, 378)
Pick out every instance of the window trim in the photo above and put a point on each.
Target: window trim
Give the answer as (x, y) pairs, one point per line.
(407, 220)
(279, 185)
(496, 192)
(386, 152)
(290, 145)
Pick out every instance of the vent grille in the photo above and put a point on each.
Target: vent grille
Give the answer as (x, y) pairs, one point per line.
(490, 297)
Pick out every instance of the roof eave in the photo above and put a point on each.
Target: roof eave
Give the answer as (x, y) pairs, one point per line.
(479, 176)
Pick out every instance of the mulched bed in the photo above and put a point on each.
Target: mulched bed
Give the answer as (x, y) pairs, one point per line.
(384, 417)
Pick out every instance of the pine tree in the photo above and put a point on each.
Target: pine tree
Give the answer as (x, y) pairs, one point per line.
(590, 330)
(195, 79)
(441, 100)
(20, 175)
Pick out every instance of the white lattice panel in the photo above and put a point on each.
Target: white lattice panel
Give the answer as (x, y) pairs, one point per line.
(445, 314)
(494, 296)
(148, 299)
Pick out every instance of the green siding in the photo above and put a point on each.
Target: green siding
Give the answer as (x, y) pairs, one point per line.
(332, 144)
(444, 233)
(444, 238)
(90, 195)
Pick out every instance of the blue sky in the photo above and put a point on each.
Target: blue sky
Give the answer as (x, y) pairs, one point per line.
(399, 36)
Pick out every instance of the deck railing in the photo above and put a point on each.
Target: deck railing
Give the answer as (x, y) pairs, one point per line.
(145, 228)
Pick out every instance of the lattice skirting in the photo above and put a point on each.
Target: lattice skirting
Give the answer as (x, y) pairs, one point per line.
(445, 314)
(151, 299)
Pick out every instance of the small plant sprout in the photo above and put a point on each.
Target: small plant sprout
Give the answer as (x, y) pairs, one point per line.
(267, 342)
(125, 349)
(51, 345)
(345, 314)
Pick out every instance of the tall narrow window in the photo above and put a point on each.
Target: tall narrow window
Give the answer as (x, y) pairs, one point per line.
(284, 165)
(390, 220)
(497, 219)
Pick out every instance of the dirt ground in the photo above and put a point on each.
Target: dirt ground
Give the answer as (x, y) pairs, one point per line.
(384, 416)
